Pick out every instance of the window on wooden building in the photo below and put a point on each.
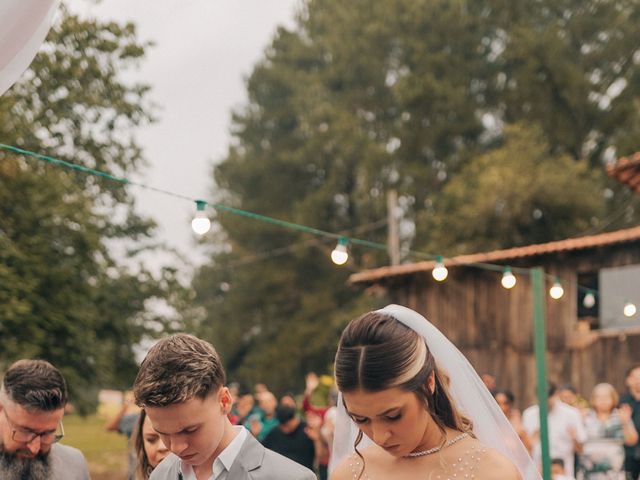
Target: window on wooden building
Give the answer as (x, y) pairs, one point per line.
(588, 308)
(617, 286)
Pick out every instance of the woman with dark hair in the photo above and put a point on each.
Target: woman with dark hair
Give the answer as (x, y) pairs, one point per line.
(412, 407)
(148, 446)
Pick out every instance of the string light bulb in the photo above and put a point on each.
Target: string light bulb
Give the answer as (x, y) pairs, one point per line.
(629, 309)
(508, 278)
(340, 255)
(556, 291)
(201, 223)
(589, 300)
(439, 272)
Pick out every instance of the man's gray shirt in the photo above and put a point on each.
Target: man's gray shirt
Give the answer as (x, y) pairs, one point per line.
(67, 463)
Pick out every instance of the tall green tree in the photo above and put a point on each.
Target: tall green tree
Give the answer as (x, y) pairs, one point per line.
(418, 96)
(64, 296)
(516, 194)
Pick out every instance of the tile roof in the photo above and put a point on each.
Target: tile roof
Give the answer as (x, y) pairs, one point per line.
(627, 170)
(501, 256)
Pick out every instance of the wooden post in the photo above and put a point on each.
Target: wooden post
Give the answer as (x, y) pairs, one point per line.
(393, 235)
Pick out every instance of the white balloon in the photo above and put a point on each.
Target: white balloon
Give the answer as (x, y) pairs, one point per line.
(24, 24)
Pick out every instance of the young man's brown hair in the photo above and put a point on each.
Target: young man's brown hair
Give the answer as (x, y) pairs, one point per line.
(177, 369)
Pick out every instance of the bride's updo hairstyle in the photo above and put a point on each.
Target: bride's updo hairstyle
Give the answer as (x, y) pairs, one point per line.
(377, 352)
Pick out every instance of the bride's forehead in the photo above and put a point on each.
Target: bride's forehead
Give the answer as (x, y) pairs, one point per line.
(366, 402)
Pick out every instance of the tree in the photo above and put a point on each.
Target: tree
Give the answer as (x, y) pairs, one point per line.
(516, 194)
(414, 95)
(64, 295)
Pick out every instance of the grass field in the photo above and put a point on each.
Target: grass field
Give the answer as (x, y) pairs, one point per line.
(105, 451)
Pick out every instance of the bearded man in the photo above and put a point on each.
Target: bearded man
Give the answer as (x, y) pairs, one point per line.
(32, 400)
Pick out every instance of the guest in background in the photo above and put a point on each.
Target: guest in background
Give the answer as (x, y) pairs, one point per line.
(124, 422)
(632, 398)
(558, 471)
(262, 422)
(607, 429)
(506, 399)
(148, 447)
(290, 438)
(566, 430)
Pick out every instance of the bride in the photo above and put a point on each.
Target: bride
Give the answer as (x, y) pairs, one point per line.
(412, 407)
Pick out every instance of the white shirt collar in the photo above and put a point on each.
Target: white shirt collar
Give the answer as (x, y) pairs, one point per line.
(229, 454)
(224, 460)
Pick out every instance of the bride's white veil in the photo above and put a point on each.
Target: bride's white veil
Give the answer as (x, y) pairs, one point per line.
(468, 391)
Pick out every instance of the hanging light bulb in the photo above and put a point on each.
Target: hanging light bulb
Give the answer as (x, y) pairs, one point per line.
(200, 223)
(629, 309)
(589, 300)
(439, 272)
(340, 255)
(508, 279)
(556, 291)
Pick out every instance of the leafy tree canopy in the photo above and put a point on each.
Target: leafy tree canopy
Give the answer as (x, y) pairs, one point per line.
(491, 119)
(64, 295)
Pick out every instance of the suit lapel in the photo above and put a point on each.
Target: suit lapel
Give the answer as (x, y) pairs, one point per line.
(249, 458)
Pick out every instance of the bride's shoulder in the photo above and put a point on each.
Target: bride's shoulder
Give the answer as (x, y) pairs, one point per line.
(496, 465)
(342, 471)
(351, 466)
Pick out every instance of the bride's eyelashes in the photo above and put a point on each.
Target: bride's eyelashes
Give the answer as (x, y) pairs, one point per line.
(359, 420)
(390, 418)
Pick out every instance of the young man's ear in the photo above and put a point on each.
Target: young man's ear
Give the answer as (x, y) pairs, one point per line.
(224, 395)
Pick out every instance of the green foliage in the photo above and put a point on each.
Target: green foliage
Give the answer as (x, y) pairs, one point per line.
(64, 296)
(482, 115)
(516, 194)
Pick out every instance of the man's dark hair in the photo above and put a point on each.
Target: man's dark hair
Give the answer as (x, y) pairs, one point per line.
(569, 388)
(35, 385)
(284, 413)
(508, 394)
(177, 369)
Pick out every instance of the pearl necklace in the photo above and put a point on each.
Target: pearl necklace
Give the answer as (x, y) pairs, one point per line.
(448, 443)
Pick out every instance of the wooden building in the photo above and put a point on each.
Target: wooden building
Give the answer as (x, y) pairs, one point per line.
(493, 326)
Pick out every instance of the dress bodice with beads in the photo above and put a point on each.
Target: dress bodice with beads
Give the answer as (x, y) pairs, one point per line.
(463, 464)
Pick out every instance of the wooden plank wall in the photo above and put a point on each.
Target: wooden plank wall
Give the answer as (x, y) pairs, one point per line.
(494, 326)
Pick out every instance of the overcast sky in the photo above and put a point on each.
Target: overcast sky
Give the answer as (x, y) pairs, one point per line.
(204, 50)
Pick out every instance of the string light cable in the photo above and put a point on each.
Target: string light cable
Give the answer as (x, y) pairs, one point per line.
(508, 277)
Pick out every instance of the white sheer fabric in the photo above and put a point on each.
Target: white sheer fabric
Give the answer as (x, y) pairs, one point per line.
(467, 389)
(23, 26)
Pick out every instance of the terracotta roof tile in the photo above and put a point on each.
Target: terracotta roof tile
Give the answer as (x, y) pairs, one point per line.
(627, 170)
(501, 256)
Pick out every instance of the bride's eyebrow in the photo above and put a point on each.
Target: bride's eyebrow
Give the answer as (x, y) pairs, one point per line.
(386, 412)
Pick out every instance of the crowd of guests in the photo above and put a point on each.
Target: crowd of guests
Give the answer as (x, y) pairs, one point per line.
(588, 439)
(595, 438)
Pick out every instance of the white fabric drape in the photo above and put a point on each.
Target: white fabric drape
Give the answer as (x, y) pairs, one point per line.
(467, 389)
(23, 27)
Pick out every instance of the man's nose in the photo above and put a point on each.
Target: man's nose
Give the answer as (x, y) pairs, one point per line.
(35, 445)
(178, 445)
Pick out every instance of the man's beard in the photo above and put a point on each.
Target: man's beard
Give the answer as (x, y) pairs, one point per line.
(14, 467)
